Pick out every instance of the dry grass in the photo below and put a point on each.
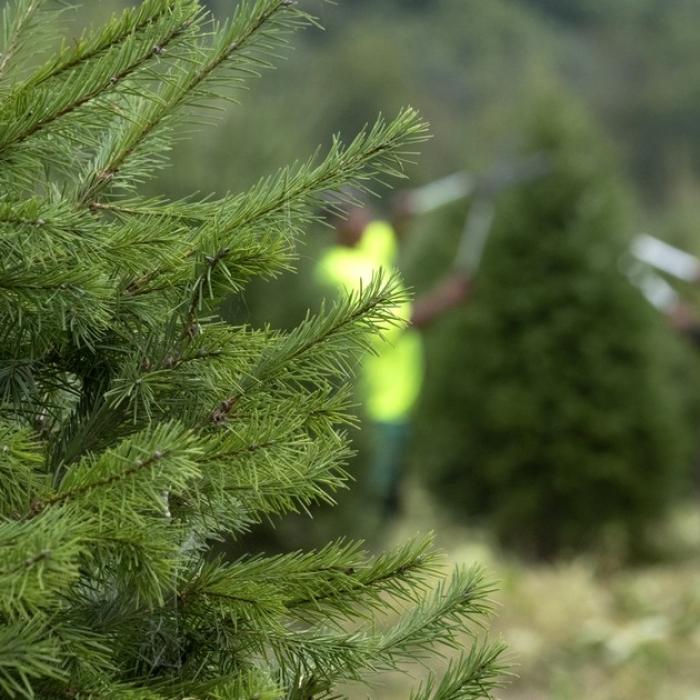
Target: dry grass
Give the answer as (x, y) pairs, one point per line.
(584, 629)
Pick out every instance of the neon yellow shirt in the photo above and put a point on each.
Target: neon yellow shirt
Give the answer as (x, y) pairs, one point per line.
(390, 379)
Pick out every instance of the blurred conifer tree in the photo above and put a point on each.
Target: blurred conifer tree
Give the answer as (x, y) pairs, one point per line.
(553, 407)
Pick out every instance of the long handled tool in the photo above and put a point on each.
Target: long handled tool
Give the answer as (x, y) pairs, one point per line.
(666, 258)
(648, 254)
(657, 291)
(477, 226)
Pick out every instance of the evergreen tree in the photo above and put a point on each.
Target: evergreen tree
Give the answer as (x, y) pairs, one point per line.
(136, 427)
(562, 420)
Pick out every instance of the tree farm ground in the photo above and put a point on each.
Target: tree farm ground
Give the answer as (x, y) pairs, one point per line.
(584, 629)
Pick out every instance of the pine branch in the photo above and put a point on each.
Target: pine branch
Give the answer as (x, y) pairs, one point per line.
(27, 654)
(38, 235)
(40, 304)
(39, 560)
(401, 574)
(161, 458)
(259, 252)
(436, 621)
(263, 219)
(20, 460)
(294, 192)
(439, 619)
(275, 579)
(307, 474)
(18, 20)
(157, 380)
(256, 28)
(474, 676)
(330, 341)
(92, 45)
(249, 684)
(31, 109)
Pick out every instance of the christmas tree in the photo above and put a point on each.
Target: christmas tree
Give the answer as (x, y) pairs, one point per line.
(137, 427)
(564, 422)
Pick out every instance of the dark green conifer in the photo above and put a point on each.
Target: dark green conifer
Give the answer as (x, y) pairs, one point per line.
(554, 409)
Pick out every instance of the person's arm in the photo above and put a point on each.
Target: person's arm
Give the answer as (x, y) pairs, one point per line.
(449, 293)
(402, 212)
(684, 320)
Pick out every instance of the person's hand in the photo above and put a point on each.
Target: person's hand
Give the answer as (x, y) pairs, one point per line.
(456, 287)
(682, 318)
(451, 292)
(402, 209)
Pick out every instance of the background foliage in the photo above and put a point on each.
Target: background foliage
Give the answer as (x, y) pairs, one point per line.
(631, 63)
(560, 416)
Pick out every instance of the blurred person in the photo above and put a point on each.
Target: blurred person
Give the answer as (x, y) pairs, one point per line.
(391, 376)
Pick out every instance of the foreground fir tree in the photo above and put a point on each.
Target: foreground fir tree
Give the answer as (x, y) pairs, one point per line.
(136, 427)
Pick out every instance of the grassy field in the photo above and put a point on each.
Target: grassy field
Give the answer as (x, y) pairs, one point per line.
(586, 629)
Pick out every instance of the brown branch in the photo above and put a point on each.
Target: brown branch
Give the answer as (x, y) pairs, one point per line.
(29, 562)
